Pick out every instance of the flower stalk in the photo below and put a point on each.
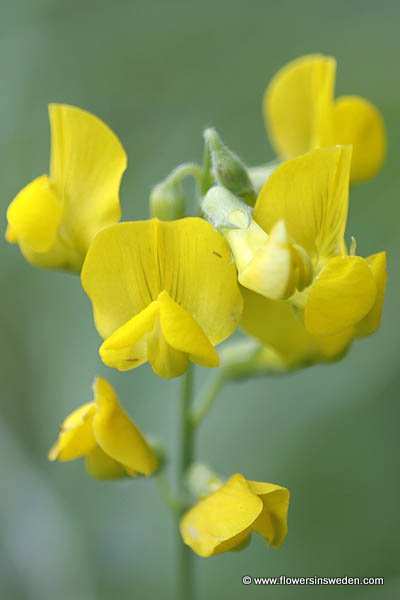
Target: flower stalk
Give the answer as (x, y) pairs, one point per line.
(167, 198)
(184, 460)
(207, 398)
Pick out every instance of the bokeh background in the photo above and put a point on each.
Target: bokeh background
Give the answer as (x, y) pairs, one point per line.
(158, 73)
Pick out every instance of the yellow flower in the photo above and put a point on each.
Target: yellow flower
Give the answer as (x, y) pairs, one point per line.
(55, 217)
(301, 114)
(344, 298)
(225, 519)
(103, 433)
(163, 292)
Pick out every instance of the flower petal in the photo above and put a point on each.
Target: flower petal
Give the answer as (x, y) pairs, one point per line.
(163, 333)
(176, 338)
(10, 235)
(116, 433)
(76, 437)
(141, 339)
(310, 194)
(34, 216)
(221, 517)
(277, 267)
(86, 167)
(183, 333)
(297, 102)
(120, 274)
(371, 322)
(197, 272)
(102, 466)
(277, 326)
(333, 346)
(272, 522)
(127, 347)
(237, 542)
(281, 330)
(130, 264)
(357, 122)
(164, 359)
(343, 293)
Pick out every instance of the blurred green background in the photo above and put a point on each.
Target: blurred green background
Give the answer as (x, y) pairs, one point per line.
(158, 73)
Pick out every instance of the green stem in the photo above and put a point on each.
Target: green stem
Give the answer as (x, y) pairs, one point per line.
(174, 503)
(186, 170)
(208, 397)
(185, 457)
(185, 423)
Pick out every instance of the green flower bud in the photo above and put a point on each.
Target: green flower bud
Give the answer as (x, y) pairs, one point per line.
(167, 201)
(229, 170)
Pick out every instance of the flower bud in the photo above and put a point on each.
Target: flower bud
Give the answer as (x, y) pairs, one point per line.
(229, 170)
(167, 201)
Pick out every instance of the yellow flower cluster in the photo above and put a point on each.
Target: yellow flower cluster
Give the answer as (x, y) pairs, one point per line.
(168, 293)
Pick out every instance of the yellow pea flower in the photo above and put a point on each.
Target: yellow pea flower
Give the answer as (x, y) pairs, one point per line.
(103, 433)
(345, 297)
(225, 519)
(56, 216)
(162, 292)
(301, 114)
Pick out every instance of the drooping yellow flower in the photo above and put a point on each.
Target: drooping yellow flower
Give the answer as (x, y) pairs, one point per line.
(344, 298)
(55, 217)
(301, 114)
(225, 519)
(163, 292)
(103, 433)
